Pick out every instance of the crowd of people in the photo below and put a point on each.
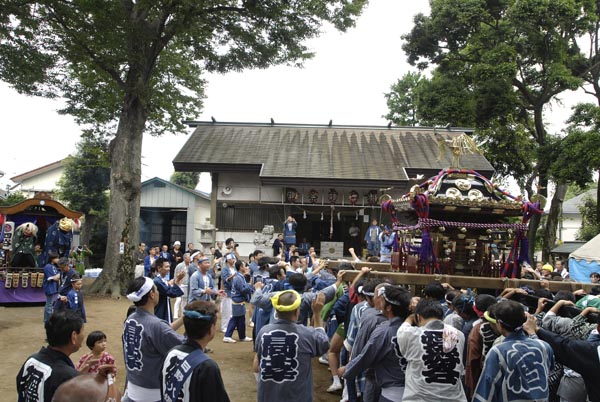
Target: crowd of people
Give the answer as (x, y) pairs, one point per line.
(381, 341)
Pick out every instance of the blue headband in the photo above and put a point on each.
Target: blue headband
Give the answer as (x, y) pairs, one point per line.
(194, 315)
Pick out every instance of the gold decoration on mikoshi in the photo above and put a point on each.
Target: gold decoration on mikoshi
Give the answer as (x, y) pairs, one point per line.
(459, 146)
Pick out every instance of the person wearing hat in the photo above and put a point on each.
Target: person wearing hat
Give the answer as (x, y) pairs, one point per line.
(517, 369)
(51, 281)
(547, 270)
(65, 284)
(59, 237)
(284, 350)
(74, 299)
(176, 256)
(147, 340)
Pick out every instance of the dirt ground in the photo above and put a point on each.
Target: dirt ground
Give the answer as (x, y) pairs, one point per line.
(22, 333)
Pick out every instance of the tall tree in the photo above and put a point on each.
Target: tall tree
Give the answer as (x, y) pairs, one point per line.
(515, 56)
(402, 102)
(84, 185)
(12, 199)
(186, 179)
(578, 159)
(135, 66)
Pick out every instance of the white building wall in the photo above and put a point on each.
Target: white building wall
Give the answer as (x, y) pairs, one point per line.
(42, 182)
(570, 225)
(246, 187)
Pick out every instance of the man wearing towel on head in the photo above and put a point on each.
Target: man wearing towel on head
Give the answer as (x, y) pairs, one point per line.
(146, 341)
(284, 350)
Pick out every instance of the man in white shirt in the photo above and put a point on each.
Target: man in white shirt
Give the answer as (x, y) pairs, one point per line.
(433, 352)
(560, 268)
(181, 301)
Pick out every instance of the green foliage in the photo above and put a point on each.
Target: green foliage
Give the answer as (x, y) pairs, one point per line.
(510, 58)
(497, 63)
(186, 179)
(84, 188)
(578, 154)
(574, 190)
(94, 53)
(12, 199)
(589, 220)
(402, 102)
(86, 176)
(135, 67)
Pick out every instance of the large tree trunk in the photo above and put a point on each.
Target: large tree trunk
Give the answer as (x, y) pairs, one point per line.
(534, 222)
(124, 207)
(598, 201)
(86, 234)
(541, 169)
(549, 239)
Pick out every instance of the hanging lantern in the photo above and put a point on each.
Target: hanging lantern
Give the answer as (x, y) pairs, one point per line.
(313, 196)
(304, 215)
(372, 197)
(321, 215)
(353, 197)
(332, 196)
(291, 195)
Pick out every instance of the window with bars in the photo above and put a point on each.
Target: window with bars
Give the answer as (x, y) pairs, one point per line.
(248, 217)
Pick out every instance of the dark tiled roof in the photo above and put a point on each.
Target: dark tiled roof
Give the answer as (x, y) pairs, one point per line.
(567, 247)
(337, 153)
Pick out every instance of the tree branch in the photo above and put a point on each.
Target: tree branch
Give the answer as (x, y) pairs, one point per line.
(114, 74)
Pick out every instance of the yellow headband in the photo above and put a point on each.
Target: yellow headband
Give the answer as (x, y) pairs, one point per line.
(291, 307)
(489, 318)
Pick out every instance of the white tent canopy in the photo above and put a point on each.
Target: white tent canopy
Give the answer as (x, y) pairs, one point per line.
(589, 252)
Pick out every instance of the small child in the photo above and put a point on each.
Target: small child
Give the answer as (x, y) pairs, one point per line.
(75, 298)
(90, 362)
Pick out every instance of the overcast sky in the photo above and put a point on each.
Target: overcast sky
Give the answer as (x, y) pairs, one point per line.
(344, 82)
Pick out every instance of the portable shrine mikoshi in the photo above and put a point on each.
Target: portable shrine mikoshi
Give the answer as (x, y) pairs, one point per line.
(461, 223)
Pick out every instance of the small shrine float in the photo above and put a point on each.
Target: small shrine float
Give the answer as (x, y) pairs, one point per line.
(461, 223)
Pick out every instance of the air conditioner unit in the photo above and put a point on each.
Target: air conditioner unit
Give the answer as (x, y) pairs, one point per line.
(227, 190)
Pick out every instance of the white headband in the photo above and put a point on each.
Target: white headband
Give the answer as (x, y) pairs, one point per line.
(381, 293)
(146, 287)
